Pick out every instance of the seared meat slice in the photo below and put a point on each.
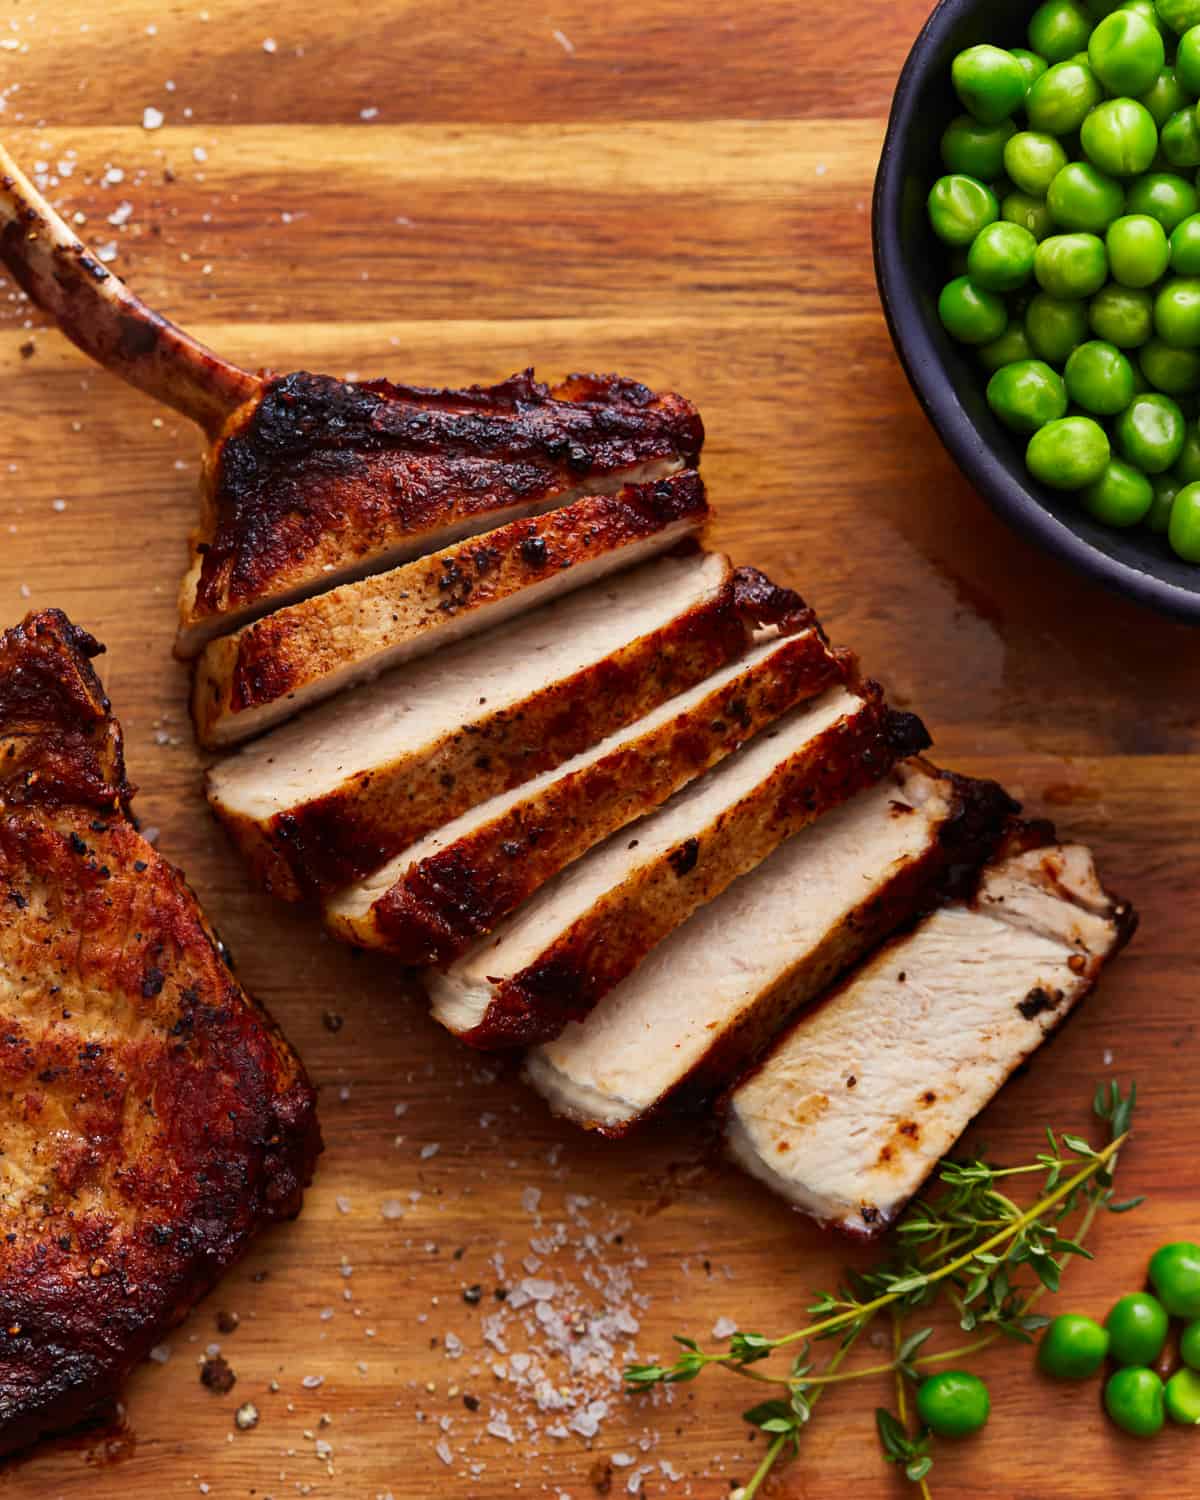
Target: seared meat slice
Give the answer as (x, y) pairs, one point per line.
(432, 901)
(714, 992)
(327, 799)
(320, 481)
(856, 1104)
(586, 930)
(311, 481)
(268, 671)
(153, 1118)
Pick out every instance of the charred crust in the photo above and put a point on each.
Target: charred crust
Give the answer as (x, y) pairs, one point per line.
(764, 603)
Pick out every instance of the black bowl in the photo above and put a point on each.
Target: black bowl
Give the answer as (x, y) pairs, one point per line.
(911, 268)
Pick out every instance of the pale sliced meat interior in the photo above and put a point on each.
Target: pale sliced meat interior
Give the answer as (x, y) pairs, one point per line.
(462, 994)
(357, 630)
(420, 703)
(770, 942)
(477, 831)
(856, 1104)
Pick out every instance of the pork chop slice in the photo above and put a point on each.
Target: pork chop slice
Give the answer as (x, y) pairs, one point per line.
(298, 656)
(437, 897)
(153, 1118)
(314, 481)
(325, 800)
(714, 992)
(855, 1105)
(588, 928)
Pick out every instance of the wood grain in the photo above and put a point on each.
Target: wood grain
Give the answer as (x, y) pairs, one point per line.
(681, 194)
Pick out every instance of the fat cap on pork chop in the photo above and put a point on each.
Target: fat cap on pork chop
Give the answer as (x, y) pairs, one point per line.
(152, 1117)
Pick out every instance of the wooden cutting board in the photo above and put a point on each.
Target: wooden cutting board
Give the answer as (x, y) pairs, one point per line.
(446, 193)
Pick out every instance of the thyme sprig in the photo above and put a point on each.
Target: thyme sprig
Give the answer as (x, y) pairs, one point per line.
(971, 1245)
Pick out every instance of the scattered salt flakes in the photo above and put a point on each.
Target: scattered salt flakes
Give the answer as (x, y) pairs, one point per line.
(821, 169)
(313, 1382)
(160, 1353)
(430, 1151)
(622, 1460)
(442, 1450)
(323, 1448)
(399, 1109)
(1108, 1057)
(343, 1204)
(151, 834)
(199, 153)
(246, 1416)
(59, 505)
(391, 1208)
(370, 113)
(531, 1197)
(326, 1314)
(669, 1471)
(499, 1427)
(344, 1091)
(113, 176)
(202, 1487)
(724, 1328)
(454, 1346)
(270, 44)
(107, 252)
(486, 1121)
(563, 40)
(121, 214)
(152, 118)
(25, 591)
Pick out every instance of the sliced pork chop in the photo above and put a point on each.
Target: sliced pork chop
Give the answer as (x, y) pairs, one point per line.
(710, 996)
(315, 481)
(324, 801)
(268, 671)
(854, 1107)
(152, 1117)
(432, 901)
(584, 931)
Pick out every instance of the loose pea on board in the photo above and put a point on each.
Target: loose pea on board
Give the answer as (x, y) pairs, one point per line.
(1133, 1398)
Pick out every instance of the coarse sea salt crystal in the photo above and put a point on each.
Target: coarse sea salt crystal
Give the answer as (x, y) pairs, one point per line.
(152, 118)
(724, 1328)
(391, 1208)
(442, 1450)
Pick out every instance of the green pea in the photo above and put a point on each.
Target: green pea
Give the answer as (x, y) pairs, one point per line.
(1120, 137)
(1121, 497)
(989, 82)
(1185, 247)
(975, 150)
(1054, 326)
(1179, 15)
(1138, 252)
(1164, 97)
(1180, 138)
(1149, 433)
(1182, 1398)
(953, 1403)
(1012, 346)
(1149, 12)
(1068, 454)
(1175, 1268)
(1187, 60)
(1133, 1398)
(1058, 29)
(1176, 372)
(1071, 265)
(1189, 1343)
(1080, 197)
(970, 314)
(1033, 161)
(1126, 53)
(1001, 257)
(1099, 378)
(1122, 316)
(1058, 102)
(1032, 65)
(1072, 1347)
(1177, 313)
(1186, 469)
(1029, 213)
(1137, 1325)
(1163, 196)
(1158, 517)
(959, 207)
(1026, 395)
(1183, 532)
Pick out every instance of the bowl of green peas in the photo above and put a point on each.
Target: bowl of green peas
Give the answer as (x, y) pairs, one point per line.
(1037, 248)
